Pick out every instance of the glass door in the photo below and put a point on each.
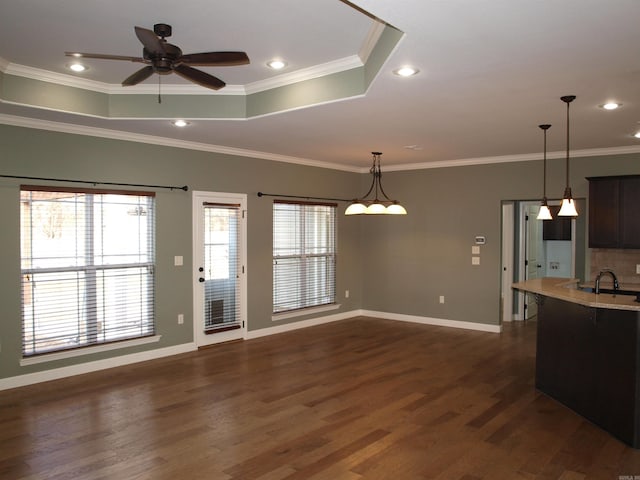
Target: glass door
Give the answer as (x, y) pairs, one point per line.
(219, 271)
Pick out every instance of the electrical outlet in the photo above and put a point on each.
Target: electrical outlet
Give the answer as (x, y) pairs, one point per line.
(346, 294)
(441, 298)
(638, 268)
(180, 318)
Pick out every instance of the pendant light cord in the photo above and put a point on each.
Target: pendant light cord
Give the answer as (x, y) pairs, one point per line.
(567, 157)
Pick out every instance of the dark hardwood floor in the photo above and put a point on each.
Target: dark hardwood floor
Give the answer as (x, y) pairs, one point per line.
(357, 399)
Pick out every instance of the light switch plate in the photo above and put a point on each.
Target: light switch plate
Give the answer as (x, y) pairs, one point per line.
(475, 260)
(475, 250)
(638, 268)
(178, 260)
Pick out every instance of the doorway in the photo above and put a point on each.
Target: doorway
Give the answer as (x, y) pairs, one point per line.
(526, 254)
(219, 250)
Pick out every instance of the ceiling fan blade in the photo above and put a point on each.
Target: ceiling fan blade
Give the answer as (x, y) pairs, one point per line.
(139, 76)
(104, 56)
(199, 77)
(150, 40)
(220, 59)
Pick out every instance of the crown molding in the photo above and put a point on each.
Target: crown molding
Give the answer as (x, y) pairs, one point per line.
(316, 71)
(373, 35)
(527, 157)
(26, 122)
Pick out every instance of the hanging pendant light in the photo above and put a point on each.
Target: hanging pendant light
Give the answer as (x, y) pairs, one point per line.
(568, 207)
(544, 213)
(375, 206)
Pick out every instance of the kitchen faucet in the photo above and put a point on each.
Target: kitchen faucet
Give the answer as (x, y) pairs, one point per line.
(616, 285)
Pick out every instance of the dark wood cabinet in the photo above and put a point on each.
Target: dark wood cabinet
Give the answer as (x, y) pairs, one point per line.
(614, 212)
(558, 228)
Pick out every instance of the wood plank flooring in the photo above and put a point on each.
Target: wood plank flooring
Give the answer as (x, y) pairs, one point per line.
(359, 399)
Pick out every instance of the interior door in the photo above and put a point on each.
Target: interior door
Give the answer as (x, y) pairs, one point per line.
(219, 269)
(534, 254)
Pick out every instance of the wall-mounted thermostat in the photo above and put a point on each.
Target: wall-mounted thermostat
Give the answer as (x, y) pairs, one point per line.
(481, 240)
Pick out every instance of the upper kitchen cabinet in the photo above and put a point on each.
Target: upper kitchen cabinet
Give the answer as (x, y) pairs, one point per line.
(614, 212)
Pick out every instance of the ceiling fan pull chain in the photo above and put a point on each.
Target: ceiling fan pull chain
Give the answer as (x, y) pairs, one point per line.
(159, 84)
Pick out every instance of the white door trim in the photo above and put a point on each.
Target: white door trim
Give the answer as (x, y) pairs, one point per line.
(198, 198)
(508, 235)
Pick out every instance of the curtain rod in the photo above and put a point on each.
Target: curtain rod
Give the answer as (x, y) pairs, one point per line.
(185, 187)
(261, 194)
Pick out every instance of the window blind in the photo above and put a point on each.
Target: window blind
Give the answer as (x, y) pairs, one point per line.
(87, 266)
(221, 267)
(304, 255)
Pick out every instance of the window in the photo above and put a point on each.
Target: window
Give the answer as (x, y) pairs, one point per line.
(304, 255)
(87, 265)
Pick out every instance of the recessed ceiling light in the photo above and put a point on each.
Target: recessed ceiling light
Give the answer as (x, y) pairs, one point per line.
(78, 67)
(180, 123)
(406, 71)
(413, 147)
(276, 64)
(637, 134)
(611, 105)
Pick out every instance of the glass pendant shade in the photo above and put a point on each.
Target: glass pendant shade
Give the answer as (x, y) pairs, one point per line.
(356, 208)
(544, 213)
(568, 207)
(375, 206)
(396, 209)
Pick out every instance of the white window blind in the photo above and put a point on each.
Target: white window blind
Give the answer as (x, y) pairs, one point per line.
(304, 255)
(87, 265)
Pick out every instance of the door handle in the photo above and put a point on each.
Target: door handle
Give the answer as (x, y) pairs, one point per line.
(201, 279)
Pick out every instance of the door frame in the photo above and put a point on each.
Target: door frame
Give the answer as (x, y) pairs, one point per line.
(198, 198)
(508, 236)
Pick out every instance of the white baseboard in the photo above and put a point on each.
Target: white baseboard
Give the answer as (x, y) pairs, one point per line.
(69, 371)
(441, 322)
(62, 372)
(263, 332)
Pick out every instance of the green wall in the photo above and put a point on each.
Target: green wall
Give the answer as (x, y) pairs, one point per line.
(410, 261)
(398, 264)
(31, 152)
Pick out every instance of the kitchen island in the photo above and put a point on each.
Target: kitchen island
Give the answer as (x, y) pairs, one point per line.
(588, 353)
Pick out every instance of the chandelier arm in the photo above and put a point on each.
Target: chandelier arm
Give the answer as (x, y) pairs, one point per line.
(363, 198)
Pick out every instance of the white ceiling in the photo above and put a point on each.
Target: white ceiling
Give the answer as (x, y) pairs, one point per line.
(490, 72)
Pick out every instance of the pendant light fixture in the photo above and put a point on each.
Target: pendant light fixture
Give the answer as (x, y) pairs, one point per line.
(544, 213)
(568, 207)
(375, 206)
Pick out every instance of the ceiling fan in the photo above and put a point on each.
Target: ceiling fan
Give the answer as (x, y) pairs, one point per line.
(164, 58)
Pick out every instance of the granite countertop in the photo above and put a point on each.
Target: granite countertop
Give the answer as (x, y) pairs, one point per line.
(567, 289)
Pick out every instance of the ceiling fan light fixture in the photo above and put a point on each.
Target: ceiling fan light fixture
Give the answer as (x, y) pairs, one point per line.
(163, 58)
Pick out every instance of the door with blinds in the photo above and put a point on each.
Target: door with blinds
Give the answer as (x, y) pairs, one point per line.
(219, 268)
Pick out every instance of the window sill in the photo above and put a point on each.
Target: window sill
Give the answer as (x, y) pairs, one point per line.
(50, 357)
(304, 311)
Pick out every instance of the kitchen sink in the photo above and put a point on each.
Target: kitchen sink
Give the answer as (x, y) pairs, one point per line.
(620, 291)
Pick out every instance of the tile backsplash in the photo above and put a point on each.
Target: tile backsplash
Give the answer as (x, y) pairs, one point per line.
(622, 262)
